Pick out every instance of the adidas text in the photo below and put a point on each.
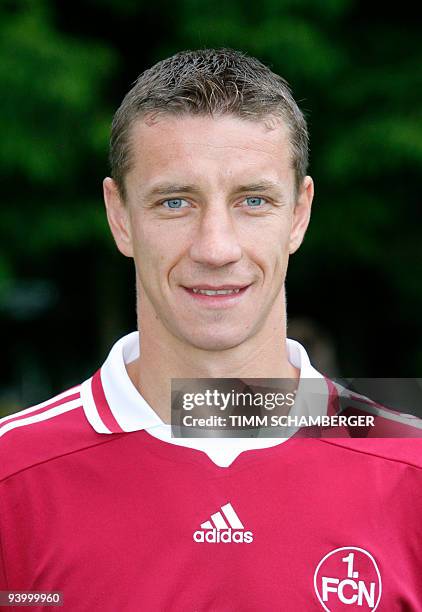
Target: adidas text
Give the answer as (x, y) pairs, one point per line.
(215, 536)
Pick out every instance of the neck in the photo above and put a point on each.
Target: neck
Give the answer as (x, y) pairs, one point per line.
(163, 357)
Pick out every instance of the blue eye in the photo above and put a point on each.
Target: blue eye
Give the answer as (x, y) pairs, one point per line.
(254, 202)
(175, 203)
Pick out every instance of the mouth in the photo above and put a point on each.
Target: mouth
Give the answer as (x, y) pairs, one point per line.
(217, 296)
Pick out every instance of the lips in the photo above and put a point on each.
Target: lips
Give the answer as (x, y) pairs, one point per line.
(216, 291)
(217, 295)
(217, 287)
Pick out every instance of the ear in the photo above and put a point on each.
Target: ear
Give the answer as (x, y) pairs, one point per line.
(301, 214)
(118, 217)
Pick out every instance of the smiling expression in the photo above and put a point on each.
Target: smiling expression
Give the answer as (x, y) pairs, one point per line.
(210, 218)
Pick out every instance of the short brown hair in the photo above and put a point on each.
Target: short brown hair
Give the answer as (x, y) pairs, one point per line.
(208, 82)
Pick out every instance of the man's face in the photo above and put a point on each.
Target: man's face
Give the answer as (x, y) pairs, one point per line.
(210, 207)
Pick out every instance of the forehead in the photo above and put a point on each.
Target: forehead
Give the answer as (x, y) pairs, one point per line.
(206, 148)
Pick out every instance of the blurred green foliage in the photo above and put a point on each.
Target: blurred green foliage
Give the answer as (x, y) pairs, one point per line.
(353, 66)
(52, 122)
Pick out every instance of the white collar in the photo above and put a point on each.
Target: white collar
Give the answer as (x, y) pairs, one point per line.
(112, 403)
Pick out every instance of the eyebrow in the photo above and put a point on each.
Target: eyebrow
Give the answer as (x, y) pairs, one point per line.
(261, 186)
(170, 189)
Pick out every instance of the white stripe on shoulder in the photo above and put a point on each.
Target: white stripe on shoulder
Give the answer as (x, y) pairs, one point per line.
(43, 416)
(399, 417)
(350, 399)
(45, 404)
(90, 408)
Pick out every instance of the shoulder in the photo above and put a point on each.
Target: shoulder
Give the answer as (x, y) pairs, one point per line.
(43, 432)
(405, 451)
(391, 435)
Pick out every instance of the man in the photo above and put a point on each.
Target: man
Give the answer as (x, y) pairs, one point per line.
(209, 195)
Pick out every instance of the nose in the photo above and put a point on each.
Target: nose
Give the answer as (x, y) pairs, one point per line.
(215, 241)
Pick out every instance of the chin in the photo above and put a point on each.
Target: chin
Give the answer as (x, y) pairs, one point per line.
(216, 341)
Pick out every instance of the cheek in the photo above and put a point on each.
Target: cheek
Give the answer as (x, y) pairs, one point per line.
(147, 242)
(270, 243)
(155, 256)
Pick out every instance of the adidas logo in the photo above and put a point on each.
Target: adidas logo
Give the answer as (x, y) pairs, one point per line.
(223, 529)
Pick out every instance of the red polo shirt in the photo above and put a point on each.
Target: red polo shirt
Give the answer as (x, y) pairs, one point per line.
(97, 505)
